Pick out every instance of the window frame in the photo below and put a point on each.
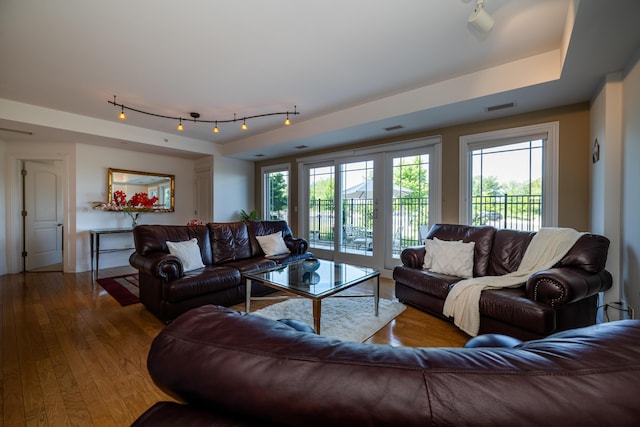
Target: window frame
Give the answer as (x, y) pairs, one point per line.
(549, 131)
(283, 167)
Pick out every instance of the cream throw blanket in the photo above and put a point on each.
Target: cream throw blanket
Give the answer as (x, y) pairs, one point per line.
(548, 246)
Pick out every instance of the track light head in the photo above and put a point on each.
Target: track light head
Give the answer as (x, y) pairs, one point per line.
(480, 19)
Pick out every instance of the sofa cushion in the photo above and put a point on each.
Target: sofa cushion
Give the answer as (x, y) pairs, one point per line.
(193, 284)
(229, 241)
(449, 257)
(188, 252)
(589, 253)
(482, 236)
(273, 244)
(264, 228)
(511, 306)
(509, 247)
(153, 238)
(424, 281)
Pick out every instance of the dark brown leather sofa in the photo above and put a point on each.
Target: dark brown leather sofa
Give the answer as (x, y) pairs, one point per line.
(563, 297)
(237, 369)
(227, 250)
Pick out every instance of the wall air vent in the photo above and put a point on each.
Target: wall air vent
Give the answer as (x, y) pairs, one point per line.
(392, 128)
(501, 107)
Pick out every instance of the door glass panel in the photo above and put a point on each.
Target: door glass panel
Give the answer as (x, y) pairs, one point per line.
(358, 203)
(321, 207)
(410, 201)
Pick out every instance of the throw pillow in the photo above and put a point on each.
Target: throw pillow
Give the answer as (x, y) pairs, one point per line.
(188, 252)
(452, 258)
(273, 244)
(429, 248)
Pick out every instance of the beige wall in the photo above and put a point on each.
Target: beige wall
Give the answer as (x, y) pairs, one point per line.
(574, 162)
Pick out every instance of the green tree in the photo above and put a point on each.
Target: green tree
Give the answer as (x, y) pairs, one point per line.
(486, 186)
(412, 175)
(278, 192)
(323, 189)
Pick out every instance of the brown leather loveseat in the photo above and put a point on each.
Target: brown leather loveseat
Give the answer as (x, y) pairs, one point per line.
(226, 249)
(560, 298)
(237, 369)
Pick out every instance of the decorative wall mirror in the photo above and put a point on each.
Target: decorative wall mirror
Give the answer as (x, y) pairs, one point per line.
(159, 185)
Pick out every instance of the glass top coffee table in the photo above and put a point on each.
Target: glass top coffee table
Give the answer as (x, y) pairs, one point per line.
(316, 282)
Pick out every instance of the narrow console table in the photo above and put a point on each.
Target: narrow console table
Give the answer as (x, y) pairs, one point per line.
(95, 244)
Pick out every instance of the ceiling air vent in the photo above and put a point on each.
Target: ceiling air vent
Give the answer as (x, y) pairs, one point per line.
(23, 132)
(392, 128)
(259, 155)
(501, 106)
(302, 147)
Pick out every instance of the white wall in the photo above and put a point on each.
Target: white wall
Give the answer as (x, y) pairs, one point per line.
(3, 218)
(606, 177)
(233, 188)
(615, 196)
(91, 185)
(630, 247)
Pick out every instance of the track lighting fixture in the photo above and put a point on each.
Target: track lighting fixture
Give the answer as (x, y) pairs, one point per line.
(195, 117)
(480, 19)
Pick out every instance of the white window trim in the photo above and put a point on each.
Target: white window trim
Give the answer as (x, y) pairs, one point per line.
(550, 166)
(265, 194)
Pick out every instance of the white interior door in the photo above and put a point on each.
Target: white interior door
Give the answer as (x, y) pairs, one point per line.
(44, 213)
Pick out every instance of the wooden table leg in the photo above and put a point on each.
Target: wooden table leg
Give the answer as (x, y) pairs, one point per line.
(376, 293)
(247, 300)
(317, 310)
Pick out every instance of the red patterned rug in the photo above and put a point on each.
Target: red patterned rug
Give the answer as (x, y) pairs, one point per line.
(125, 289)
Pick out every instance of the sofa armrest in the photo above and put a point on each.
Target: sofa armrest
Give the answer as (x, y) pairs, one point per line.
(413, 256)
(158, 264)
(558, 286)
(296, 245)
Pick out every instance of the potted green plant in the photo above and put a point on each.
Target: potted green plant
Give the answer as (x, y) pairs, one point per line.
(251, 216)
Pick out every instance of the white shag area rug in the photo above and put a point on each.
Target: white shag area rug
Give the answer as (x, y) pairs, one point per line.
(344, 318)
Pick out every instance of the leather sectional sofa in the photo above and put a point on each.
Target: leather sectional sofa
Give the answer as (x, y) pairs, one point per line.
(561, 298)
(226, 250)
(237, 369)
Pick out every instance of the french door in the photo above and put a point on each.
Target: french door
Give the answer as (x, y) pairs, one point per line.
(365, 209)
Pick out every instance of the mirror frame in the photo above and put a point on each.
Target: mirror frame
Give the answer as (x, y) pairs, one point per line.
(171, 178)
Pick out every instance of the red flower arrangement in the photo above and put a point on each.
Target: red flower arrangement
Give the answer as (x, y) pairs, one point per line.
(139, 202)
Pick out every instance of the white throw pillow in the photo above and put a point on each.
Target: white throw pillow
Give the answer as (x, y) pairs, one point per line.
(429, 248)
(452, 258)
(273, 244)
(188, 252)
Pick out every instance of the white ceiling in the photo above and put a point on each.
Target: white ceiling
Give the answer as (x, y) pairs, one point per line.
(352, 68)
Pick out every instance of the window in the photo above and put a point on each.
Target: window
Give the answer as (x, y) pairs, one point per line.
(509, 178)
(276, 193)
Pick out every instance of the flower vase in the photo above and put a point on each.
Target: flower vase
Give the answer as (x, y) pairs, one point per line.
(134, 219)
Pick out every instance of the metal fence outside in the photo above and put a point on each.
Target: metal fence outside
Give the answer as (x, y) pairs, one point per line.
(508, 211)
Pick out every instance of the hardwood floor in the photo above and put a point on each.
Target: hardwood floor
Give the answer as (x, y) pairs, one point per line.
(71, 355)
